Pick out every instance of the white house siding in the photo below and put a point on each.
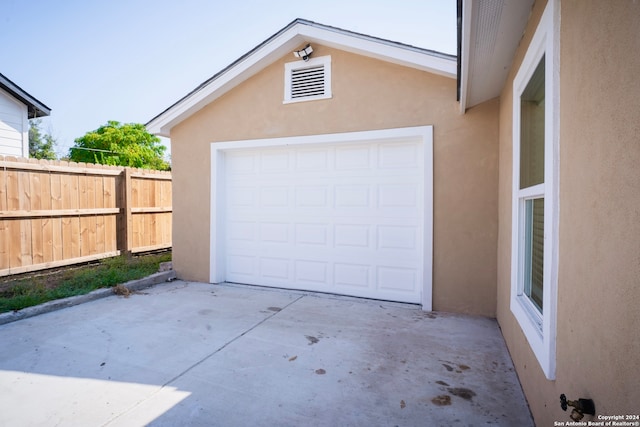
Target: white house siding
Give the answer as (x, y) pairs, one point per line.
(14, 128)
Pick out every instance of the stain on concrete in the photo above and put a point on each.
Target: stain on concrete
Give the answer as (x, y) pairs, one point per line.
(205, 311)
(442, 400)
(442, 383)
(312, 340)
(320, 371)
(424, 315)
(448, 367)
(462, 392)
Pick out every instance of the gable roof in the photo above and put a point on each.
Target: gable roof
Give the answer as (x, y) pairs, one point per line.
(35, 108)
(285, 41)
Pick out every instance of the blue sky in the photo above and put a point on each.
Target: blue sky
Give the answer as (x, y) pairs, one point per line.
(127, 60)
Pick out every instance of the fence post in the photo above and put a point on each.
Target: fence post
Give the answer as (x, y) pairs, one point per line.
(125, 220)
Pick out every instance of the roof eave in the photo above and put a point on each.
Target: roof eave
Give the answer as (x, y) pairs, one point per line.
(487, 40)
(35, 108)
(285, 41)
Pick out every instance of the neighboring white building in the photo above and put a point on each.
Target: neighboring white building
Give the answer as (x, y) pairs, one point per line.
(16, 108)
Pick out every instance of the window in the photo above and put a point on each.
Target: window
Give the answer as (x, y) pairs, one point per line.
(307, 80)
(535, 193)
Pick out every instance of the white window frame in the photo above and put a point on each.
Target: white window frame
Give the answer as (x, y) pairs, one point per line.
(539, 328)
(313, 62)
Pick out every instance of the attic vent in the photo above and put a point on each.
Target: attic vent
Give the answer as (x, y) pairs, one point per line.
(306, 81)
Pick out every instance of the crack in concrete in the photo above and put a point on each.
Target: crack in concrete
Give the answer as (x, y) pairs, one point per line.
(223, 346)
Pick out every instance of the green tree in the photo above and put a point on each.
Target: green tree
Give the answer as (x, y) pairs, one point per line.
(120, 144)
(41, 145)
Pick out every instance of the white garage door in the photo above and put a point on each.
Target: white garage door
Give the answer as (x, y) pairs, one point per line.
(342, 217)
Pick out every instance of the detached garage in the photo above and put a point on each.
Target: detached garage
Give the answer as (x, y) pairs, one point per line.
(341, 213)
(351, 172)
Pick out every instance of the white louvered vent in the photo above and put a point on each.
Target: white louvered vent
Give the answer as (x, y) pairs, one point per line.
(306, 81)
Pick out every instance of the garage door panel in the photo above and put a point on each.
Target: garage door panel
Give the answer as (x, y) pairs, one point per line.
(397, 237)
(275, 268)
(349, 196)
(241, 265)
(241, 196)
(311, 234)
(352, 275)
(350, 158)
(341, 218)
(241, 163)
(274, 161)
(309, 270)
(398, 195)
(311, 196)
(274, 232)
(399, 156)
(241, 231)
(352, 235)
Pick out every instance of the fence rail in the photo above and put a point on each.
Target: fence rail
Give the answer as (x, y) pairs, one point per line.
(56, 213)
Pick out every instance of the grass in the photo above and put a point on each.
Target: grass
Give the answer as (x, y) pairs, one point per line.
(33, 289)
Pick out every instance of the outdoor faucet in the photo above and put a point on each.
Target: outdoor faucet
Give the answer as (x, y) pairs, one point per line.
(581, 407)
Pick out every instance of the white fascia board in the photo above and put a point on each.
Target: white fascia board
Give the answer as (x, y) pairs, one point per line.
(380, 50)
(465, 53)
(285, 43)
(249, 66)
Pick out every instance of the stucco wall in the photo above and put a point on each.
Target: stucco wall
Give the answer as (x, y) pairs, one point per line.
(367, 94)
(598, 345)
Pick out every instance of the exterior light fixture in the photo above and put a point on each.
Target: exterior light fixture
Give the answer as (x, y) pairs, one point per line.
(304, 53)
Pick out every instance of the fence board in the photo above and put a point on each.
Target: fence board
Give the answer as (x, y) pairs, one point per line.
(5, 238)
(59, 213)
(57, 242)
(3, 189)
(35, 192)
(15, 249)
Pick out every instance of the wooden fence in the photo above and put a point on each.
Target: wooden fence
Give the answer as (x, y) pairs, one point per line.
(55, 213)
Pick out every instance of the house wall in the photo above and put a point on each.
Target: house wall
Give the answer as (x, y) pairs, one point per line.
(367, 94)
(598, 345)
(14, 127)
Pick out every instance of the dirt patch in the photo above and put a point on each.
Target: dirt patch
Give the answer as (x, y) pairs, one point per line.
(442, 400)
(122, 291)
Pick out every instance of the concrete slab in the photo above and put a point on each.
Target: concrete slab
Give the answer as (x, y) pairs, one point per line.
(197, 354)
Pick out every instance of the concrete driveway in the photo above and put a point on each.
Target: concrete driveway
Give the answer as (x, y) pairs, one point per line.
(197, 354)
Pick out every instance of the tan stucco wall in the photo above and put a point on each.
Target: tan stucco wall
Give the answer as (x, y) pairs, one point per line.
(598, 343)
(367, 94)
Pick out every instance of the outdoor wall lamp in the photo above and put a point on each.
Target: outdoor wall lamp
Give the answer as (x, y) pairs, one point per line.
(581, 407)
(304, 53)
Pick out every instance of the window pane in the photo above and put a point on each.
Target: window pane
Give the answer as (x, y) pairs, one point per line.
(532, 130)
(534, 251)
